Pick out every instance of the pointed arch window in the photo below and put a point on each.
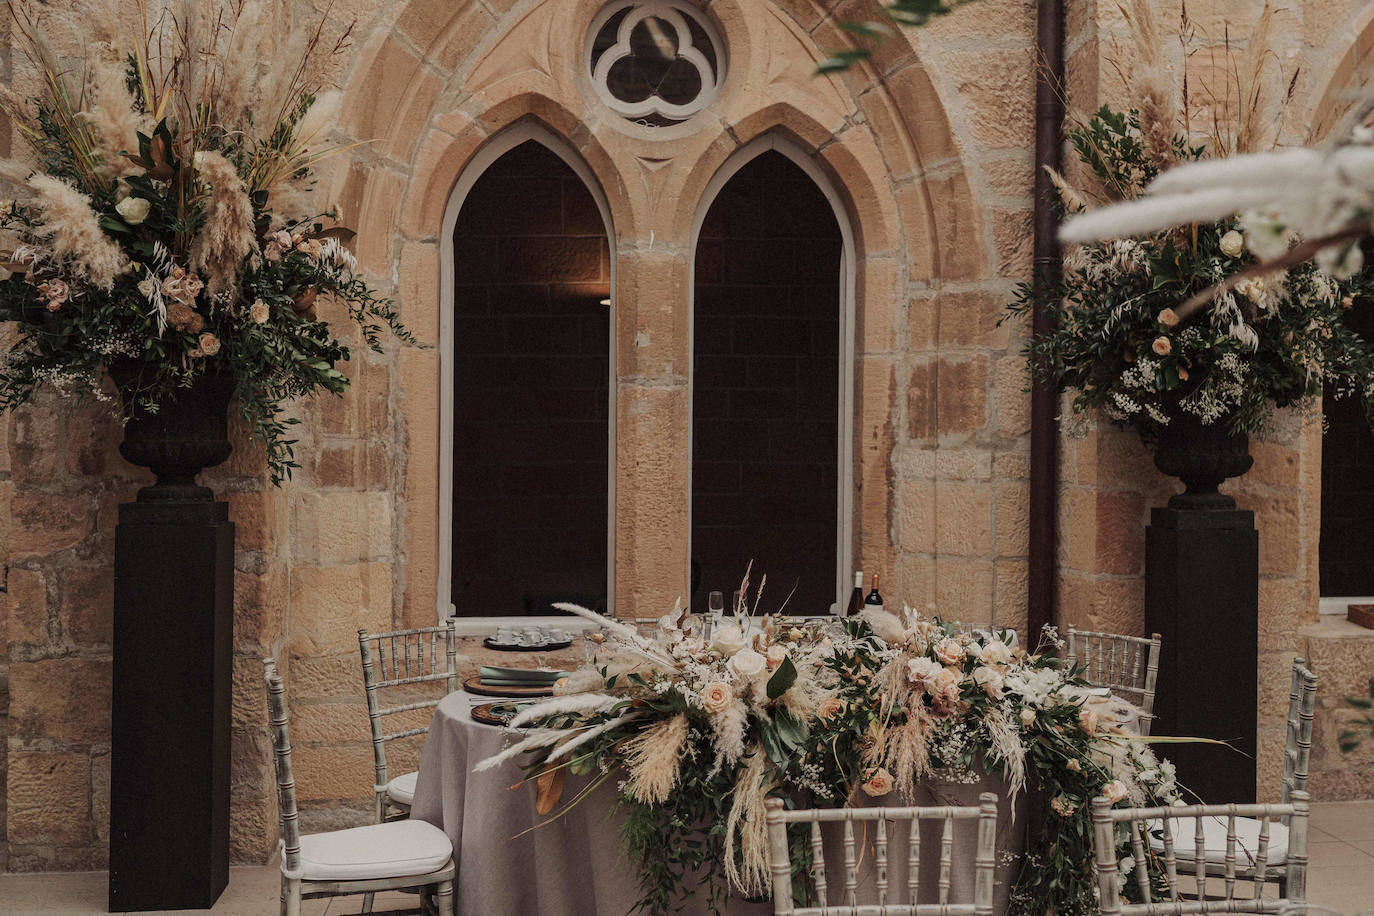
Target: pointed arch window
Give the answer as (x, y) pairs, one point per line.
(526, 418)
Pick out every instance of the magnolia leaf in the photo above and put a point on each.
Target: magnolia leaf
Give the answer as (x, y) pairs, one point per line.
(342, 233)
(548, 790)
(782, 679)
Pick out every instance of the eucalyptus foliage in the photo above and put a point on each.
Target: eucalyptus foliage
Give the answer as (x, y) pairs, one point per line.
(1122, 343)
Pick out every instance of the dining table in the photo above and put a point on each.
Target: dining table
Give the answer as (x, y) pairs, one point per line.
(514, 862)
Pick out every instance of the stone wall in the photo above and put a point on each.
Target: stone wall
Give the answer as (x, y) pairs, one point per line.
(929, 148)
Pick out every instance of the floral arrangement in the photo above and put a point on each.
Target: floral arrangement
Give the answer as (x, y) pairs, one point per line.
(698, 734)
(1146, 329)
(168, 227)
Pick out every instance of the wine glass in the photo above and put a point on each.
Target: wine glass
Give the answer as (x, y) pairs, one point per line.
(715, 607)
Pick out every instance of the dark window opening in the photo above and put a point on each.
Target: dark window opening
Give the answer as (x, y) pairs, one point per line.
(1345, 565)
(766, 391)
(531, 444)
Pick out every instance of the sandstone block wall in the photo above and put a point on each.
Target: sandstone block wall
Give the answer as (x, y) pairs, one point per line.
(929, 148)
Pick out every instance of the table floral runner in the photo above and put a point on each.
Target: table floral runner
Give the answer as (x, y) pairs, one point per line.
(696, 734)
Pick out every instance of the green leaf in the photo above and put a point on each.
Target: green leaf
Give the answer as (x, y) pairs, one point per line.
(782, 679)
(867, 29)
(840, 60)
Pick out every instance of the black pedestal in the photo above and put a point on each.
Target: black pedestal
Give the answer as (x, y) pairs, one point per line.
(169, 758)
(1202, 597)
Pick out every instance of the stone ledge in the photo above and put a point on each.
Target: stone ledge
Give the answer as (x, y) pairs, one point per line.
(1342, 656)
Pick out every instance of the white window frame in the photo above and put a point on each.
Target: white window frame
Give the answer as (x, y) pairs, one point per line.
(844, 553)
(494, 149)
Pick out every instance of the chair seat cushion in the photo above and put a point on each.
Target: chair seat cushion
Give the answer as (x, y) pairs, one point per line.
(392, 850)
(402, 789)
(1214, 837)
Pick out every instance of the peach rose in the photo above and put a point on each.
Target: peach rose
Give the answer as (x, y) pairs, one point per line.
(1087, 720)
(1168, 317)
(259, 312)
(1073, 766)
(1162, 346)
(829, 709)
(1114, 790)
(209, 344)
(1061, 806)
(55, 291)
(1182, 374)
(716, 697)
(949, 652)
(880, 783)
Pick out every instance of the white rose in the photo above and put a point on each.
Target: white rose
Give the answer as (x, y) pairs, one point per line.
(923, 671)
(258, 312)
(995, 652)
(1232, 244)
(1028, 718)
(990, 679)
(776, 654)
(748, 664)
(134, 210)
(727, 640)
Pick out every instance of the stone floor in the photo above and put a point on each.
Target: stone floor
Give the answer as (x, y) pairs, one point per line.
(1340, 879)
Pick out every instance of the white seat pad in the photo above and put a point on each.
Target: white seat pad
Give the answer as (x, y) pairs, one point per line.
(402, 789)
(391, 850)
(1214, 837)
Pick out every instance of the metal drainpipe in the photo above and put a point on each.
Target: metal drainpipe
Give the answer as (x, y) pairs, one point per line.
(1044, 455)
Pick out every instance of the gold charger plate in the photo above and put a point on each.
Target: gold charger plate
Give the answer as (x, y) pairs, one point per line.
(496, 713)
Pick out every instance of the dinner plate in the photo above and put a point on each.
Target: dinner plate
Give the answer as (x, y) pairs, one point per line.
(514, 647)
(474, 685)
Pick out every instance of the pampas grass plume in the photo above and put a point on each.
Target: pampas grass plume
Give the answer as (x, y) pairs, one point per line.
(74, 232)
(653, 759)
(227, 238)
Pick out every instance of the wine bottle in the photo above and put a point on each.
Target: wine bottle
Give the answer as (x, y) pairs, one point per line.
(874, 599)
(856, 597)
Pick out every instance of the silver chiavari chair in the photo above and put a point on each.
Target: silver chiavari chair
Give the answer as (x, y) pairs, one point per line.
(1302, 706)
(984, 860)
(1181, 829)
(394, 661)
(1127, 665)
(398, 855)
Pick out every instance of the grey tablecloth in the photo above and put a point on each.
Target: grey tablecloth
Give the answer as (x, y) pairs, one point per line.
(574, 865)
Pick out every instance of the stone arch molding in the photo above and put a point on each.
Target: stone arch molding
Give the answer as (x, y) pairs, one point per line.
(443, 84)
